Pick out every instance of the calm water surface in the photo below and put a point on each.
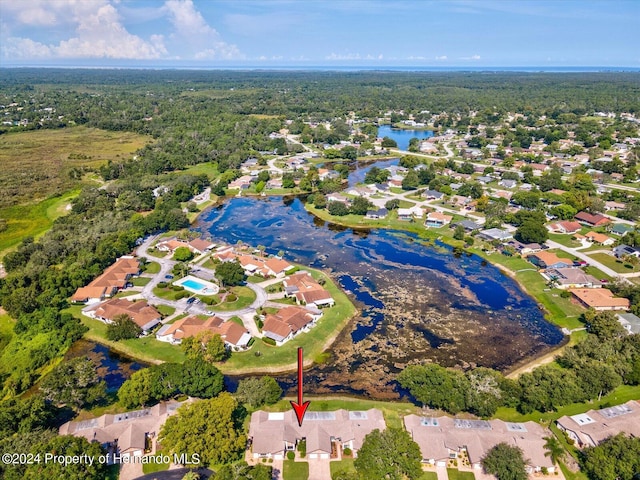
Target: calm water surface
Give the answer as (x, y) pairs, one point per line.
(402, 136)
(419, 302)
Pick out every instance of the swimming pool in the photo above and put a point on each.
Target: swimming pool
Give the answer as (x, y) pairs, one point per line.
(197, 285)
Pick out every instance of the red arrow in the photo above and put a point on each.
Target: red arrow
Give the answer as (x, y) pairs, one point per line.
(300, 408)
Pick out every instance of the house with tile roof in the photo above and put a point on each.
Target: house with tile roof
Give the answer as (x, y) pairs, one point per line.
(113, 279)
(596, 220)
(444, 438)
(590, 428)
(548, 260)
(306, 290)
(273, 434)
(143, 314)
(233, 335)
(288, 322)
(599, 299)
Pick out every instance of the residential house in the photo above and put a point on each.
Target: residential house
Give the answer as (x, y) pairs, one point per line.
(596, 220)
(525, 248)
(338, 197)
(620, 228)
(129, 434)
(508, 183)
(113, 279)
(492, 234)
(549, 260)
(485, 180)
(624, 250)
(327, 434)
(599, 238)
(437, 219)
(599, 299)
(264, 267)
(443, 438)
(274, 183)
(143, 314)
(306, 290)
(565, 227)
(233, 335)
(591, 428)
(242, 183)
(614, 206)
(409, 213)
(468, 225)
(200, 246)
(571, 278)
(288, 322)
(432, 195)
(377, 214)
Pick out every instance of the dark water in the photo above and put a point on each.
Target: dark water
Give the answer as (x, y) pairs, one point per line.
(360, 169)
(402, 136)
(419, 302)
(113, 368)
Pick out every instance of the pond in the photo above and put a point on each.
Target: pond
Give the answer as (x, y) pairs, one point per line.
(418, 301)
(402, 136)
(113, 368)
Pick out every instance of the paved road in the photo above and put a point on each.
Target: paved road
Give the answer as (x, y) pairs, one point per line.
(584, 257)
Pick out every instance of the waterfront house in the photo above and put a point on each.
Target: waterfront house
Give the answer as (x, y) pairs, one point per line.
(143, 314)
(377, 214)
(591, 428)
(437, 219)
(306, 290)
(571, 278)
(128, 434)
(599, 299)
(630, 322)
(273, 434)
(492, 234)
(233, 335)
(468, 225)
(288, 322)
(443, 438)
(549, 260)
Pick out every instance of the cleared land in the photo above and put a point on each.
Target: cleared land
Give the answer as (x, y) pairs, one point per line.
(38, 164)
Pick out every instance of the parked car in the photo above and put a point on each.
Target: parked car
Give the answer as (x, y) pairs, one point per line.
(169, 277)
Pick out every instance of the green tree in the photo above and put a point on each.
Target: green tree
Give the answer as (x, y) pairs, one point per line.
(200, 379)
(256, 391)
(205, 346)
(74, 383)
(210, 428)
(410, 181)
(392, 204)
(360, 206)
(616, 458)
(436, 386)
(67, 445)
(459, 232)
(137, 391)
(505, 462)
(563, 211)
(532, 231)
(604, 325)
(230, 273)
(338, 209)
(390, 454)
(122, 328)
(182, 254)
(553, 449)
(389, 143)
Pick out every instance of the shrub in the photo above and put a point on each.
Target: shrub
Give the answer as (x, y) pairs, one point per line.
(162, 284)
(565, 294)
(291, 455)
(182, 294)
(269, 341)
(302, 448)
(232, 297)
(347, 452)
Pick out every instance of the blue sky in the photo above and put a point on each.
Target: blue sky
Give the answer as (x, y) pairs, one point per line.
(218, 33)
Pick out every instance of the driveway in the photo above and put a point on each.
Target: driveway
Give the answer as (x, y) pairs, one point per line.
(319, 469)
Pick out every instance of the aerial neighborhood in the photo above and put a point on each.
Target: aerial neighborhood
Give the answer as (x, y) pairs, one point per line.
(452, 279)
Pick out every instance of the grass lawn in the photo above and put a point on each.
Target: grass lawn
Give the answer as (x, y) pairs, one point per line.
(152, 267)
(565, 240)
(31, 220)
(406, 204)
(153, 467)
(6, 330)
(345, 465)
(167, 293)
(255, 279)
(612, 262)
(165, 310)
(393, 412)
(146, 349)
(156, 253)
(591, 270)
(429, 476)
(261, 357)
(293, 470)
(620, 395)
(209, 264)
(455, 474)
(140, 281)
(245, 297)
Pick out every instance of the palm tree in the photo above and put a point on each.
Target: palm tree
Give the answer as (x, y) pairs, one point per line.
(554, 449)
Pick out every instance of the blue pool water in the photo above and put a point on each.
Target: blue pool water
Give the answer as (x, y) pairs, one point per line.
(192, 284)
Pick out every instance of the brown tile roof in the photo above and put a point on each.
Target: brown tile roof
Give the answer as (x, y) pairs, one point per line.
(550, 258)
(591, 219)
(287, 320)
(200, 244)
(113, 278)
(600, 298)
(140, 312)
(277, 265)
(305, 288)
(597, 237)
(190, 326)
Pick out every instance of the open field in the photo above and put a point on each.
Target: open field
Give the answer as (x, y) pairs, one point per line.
(31, 220)
(41, 163)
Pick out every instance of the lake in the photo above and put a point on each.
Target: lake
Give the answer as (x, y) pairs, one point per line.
(419, 302)
(402, 136)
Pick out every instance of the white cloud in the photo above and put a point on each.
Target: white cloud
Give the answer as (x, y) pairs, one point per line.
(472, 57)
(97, 26)
(441, 58)
(352, 56)
(197, 38)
